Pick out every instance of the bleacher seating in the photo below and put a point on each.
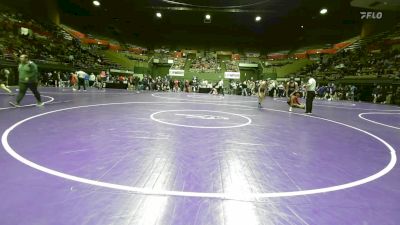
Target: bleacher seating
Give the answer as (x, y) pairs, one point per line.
(232, 66)
(204, 65)
(43, 42)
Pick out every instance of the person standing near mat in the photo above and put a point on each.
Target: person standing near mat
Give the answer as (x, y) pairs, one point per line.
(262, 91)
(81, 80)
(3, 81)
(28, 78)
(99, 78)
(310, 88)
(221, 87)
(73, 80)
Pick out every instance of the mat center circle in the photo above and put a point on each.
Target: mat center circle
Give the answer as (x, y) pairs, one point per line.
(201, 119)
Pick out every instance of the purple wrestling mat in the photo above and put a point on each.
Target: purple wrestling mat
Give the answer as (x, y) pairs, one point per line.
(116, 157)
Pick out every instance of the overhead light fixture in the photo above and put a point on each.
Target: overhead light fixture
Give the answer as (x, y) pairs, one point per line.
(96, 3)
(207, 18)
(323, 11)
(302, 26)
(159, 15)
(258, 18)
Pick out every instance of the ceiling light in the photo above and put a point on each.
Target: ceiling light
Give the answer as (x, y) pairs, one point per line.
(323, 11)
(258, 18)
(302, 26)
(208, 16)
(159, 15)
(96, 3)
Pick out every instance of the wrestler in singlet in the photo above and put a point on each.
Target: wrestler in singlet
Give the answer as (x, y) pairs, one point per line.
(262, 90)
(291, 87)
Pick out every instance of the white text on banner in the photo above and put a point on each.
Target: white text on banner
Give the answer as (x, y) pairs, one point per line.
(232, 75)
(179, 73)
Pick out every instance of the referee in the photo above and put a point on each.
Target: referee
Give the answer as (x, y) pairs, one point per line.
(310, 87)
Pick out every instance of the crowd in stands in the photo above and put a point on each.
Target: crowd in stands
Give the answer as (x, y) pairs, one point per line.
(50, 44)
(43, 42)
(162, 57)
(97, 50)
(232, 66)
(245, 59)
(179, 64)
(359, 63)
(380, 63)
(206, 64)
(385, 94)
(134, 57)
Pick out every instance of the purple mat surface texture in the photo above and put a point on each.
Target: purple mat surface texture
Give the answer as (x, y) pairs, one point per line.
(122, 158)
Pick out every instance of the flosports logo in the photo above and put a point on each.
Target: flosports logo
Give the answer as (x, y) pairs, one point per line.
(371, 15)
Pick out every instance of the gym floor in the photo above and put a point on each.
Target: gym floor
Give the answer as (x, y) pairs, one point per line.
(118, 157)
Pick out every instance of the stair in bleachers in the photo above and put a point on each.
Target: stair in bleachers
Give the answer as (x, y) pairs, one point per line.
(356, 45)
(66, 35)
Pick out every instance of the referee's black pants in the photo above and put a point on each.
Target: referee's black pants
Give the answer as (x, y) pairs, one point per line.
(309, 101)
(81, 82)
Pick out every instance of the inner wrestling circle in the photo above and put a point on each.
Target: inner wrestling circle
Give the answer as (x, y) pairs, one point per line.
(201, 119)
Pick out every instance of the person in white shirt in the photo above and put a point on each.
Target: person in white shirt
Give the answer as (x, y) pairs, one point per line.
(233, 87)
(310, 88)
(81, 80)
(92, 79)
(271, 88)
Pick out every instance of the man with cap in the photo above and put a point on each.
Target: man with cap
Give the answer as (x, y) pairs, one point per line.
(294, 101)
(28, 78)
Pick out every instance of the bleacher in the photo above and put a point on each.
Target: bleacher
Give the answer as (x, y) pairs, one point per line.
(232, 66)
(44, 43)
(179, 64)
(204, 65)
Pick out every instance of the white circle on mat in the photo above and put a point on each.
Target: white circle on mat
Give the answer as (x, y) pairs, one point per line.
(232, 196)
(248, 120)
(378, 113)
